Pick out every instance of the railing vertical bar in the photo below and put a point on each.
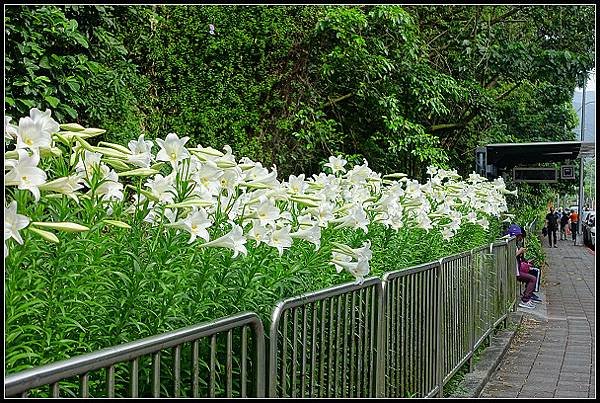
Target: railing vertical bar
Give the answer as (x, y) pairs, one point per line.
(213, 360)
(367, 364)
(392, 350)
(396, 292)
(84, 389)
(156, 374)
(338, 332)
(229, 363)
(322, 349)
(55, 389)
(412, 334)
(352, 343)
(294, 351)
(360, 348)
(400, 357)
(313, 352)
(134, 382)
(440, 379)
(421, 337)
(244, 363)
(373, 373)
(332, 368)
(284, 342)
(110, 381)
(345, 350)
(304, 341)
(430, 321)
(176, 370)
(195, 369)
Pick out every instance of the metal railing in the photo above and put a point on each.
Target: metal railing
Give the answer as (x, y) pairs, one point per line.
(108, 360)
(437, 314)
(403, 336)
(327, 343)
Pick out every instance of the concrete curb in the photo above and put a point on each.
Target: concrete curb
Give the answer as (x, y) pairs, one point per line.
(473, 383)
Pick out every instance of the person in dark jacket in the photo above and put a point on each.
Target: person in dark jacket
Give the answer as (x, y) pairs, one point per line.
(564, 223)
(552, 226)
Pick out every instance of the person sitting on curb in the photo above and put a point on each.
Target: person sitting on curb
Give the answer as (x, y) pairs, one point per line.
(522, 272)
(533, 269)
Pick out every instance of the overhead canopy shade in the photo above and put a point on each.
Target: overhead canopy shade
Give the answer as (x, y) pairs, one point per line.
(512, 154)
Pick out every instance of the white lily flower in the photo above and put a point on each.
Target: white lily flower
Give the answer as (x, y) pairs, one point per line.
(67, 185)
(484, 223)
(207, 177)
(13, 223)
(11, 131)
(88, 162)
(337, 259)
(172, 149)
(311, 234)
(163, 188)
(296, 184)
(25, 174)
(355, 218)
(234, 240)
(141, 152)
(111, 188)
(154, 215)
(336, 164)
(323, 213)
(280, 239)
(196, 223)
(267, 212)
(447, 233)
(35, 131)
(259, 233)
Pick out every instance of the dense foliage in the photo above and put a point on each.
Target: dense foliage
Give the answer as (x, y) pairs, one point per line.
(403, 87)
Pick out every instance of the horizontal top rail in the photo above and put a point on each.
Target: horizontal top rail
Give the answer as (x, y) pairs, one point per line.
(454, 257)
(54, 372)
(503, 242)
(321, 294)
(389, 276)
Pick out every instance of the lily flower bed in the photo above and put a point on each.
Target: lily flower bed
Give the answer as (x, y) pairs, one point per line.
(107, 243)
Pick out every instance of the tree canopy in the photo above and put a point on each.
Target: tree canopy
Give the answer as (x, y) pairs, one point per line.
(402, 86)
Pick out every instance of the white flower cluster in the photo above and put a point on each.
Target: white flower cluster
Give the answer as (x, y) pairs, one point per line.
(208, 190)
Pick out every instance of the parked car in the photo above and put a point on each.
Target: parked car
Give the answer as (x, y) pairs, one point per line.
(588, 221)
(593, 236)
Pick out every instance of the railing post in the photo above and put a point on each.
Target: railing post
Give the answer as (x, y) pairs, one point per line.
(472, 312)
(506, 286)
(380, 331)
(490, 301)
(440, 356)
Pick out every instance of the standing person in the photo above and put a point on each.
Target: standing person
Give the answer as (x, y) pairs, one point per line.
(574, 218)
(564, 222)
(552, 225)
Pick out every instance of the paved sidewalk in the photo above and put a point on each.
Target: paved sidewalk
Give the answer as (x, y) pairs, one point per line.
(555, 354)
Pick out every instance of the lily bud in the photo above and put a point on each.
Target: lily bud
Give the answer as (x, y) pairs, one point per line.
(49, 236)
(49, 152)
(62, 226)
(117, 147)
(110, 152)
(138, 172)
(117, 164)
(117, 223)
(72, 127)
